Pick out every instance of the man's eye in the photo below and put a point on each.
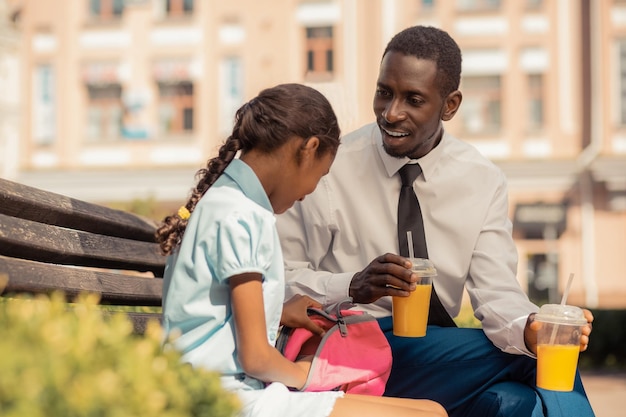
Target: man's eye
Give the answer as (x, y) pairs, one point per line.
(381, 92)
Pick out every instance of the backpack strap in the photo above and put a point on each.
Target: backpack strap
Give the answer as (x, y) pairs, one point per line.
(332, 313)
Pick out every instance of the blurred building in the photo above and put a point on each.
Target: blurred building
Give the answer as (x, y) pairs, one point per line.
(127, 99)
(10, 87)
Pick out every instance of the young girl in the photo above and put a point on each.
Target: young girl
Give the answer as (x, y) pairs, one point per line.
(224, 280)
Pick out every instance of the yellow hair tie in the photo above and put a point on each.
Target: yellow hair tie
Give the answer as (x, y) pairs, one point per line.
(183, 213)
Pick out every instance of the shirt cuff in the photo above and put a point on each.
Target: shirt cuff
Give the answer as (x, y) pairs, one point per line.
(516, 341)
(338, 288)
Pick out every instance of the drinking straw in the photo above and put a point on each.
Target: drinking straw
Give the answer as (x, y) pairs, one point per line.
(563, 301)
(409, 241)
(567, 287)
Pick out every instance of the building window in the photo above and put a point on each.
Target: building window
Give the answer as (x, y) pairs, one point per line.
(231, 92)
(319, 52)
(622, 81)
(534, 4)
(543, 283)
(176, 113)
(535, 102)
(104, 112)
(428, 5)
(477, 5)
(176, 8)
(106, 9)
(481, 110)
(44, 117)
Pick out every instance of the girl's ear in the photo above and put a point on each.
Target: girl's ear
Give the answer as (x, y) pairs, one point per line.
(310, 146)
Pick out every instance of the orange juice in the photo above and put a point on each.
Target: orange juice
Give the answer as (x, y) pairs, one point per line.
(410, 314)
(556, 366)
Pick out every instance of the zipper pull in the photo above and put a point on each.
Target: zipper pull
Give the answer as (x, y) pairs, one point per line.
(343, 327)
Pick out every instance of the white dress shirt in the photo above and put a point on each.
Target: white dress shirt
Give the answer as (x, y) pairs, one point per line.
(351, 219)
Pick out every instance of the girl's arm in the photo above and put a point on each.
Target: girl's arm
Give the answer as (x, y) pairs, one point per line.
(257, 357)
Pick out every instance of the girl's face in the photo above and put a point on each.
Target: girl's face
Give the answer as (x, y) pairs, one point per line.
(300, 180)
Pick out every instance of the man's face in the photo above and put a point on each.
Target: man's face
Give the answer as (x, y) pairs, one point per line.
(408, 105)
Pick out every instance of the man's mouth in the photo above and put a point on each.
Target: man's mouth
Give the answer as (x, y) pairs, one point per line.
(394, 134)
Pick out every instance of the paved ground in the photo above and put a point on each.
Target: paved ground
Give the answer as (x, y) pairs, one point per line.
(606, 392)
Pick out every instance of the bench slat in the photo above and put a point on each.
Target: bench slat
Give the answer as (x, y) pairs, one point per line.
(30, 203)
(34, 277)
(41, 242)
(140, 320)
(50, 242)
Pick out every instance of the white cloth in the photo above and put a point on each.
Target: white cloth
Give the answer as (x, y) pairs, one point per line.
(351, 219)
(276, 400)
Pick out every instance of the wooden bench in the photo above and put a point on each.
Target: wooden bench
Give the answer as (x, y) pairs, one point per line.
(51, 242)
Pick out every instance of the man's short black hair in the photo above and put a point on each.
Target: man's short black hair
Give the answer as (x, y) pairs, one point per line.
(427, 42)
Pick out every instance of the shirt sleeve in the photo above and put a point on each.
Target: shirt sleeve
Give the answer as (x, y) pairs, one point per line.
(244, 244)
(498, 300)
(305, 244)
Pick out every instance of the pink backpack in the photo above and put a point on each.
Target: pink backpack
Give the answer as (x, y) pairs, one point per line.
(353, 355)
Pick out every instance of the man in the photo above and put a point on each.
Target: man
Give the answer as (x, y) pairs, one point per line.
(343, 240)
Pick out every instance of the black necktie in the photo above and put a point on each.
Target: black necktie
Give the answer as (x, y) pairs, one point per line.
(410, 218)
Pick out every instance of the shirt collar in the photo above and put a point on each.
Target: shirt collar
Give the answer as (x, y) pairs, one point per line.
(428, 162)
(245, 178)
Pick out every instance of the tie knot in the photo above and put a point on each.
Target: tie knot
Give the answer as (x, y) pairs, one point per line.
(408, 173)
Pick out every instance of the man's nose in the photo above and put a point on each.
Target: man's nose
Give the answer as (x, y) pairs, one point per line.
(393, 112)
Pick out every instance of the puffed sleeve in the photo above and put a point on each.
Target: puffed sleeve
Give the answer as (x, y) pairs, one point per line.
(245, 242)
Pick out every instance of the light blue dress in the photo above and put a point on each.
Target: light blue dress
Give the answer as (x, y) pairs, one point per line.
(230, 232)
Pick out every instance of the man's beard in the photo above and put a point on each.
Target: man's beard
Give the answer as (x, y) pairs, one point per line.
(394, 153)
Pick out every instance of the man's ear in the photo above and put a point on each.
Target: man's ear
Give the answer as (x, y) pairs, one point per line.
(451, 104)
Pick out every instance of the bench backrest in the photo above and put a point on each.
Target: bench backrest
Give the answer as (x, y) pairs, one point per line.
(52, 242)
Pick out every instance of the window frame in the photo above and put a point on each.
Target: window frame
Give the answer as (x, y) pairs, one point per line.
(105, 10)
(110, 106)
(182, 104)
(488, 98)
(319, 53)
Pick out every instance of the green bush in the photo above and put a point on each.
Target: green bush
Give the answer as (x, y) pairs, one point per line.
(60, 361)
(466, 317)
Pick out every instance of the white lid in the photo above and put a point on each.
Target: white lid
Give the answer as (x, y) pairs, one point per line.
(561, 314)
(424, 267)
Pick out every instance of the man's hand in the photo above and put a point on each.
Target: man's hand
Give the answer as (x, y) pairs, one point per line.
(388, 274)
(533, 326)
(294, 313)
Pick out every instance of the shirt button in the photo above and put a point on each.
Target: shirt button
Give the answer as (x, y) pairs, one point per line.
(272, 337)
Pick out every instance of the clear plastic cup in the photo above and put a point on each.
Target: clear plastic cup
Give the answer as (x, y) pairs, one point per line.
(410, 314)
(558, 344)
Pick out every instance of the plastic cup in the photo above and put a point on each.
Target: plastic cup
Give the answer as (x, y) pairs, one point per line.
(558, 344)
(410, 314)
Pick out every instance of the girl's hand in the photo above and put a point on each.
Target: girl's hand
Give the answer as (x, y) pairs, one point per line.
(294, 313)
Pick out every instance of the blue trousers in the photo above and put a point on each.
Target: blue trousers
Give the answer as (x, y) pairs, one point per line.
(462, 370)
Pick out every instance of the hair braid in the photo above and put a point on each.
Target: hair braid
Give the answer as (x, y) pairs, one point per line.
(170, 234)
